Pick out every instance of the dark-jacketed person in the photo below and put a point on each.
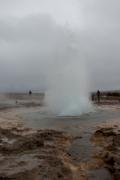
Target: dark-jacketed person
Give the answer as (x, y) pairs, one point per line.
(98, 96)
(30, 92)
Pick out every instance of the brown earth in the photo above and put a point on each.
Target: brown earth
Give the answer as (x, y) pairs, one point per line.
(27, 154)
(36, 155)
(107, 140)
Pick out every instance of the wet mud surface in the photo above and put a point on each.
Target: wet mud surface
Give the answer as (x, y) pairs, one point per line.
(107, 141)
(42, 155)
(52, 154)
(34, 155)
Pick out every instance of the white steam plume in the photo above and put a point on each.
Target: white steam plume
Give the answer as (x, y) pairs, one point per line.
(68, 86)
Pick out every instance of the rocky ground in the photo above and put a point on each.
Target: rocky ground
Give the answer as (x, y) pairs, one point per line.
(107, 140)
(44, 155)
(27, 154)
(34, 155)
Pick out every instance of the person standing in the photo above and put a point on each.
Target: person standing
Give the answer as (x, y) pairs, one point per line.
(98, 96)
(30, 92)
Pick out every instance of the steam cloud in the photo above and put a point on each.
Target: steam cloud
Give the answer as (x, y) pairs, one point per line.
(68, 85)
(50, 52)
(68, 93)
(61, 67)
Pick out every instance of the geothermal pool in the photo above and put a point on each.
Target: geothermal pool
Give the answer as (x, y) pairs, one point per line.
(73, 124)
(81, 127)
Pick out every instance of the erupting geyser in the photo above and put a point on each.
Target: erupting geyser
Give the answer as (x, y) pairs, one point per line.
(68, 89)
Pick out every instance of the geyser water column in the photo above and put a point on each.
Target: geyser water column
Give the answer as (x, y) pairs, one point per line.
(66, 75)
(68, 89)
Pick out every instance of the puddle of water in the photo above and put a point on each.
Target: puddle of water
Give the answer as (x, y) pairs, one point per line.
(72, 124)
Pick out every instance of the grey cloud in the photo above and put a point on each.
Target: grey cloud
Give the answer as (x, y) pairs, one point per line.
(31, 43)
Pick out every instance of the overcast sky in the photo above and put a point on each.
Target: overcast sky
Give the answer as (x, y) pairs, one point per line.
(37, 36)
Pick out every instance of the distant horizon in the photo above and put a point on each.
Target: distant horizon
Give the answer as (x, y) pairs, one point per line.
(42, 92)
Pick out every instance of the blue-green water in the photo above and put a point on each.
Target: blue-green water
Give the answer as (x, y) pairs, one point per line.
(73, 124)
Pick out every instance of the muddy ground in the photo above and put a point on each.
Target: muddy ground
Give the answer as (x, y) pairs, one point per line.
(34, 155)
(44, 154)
(107, 141)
